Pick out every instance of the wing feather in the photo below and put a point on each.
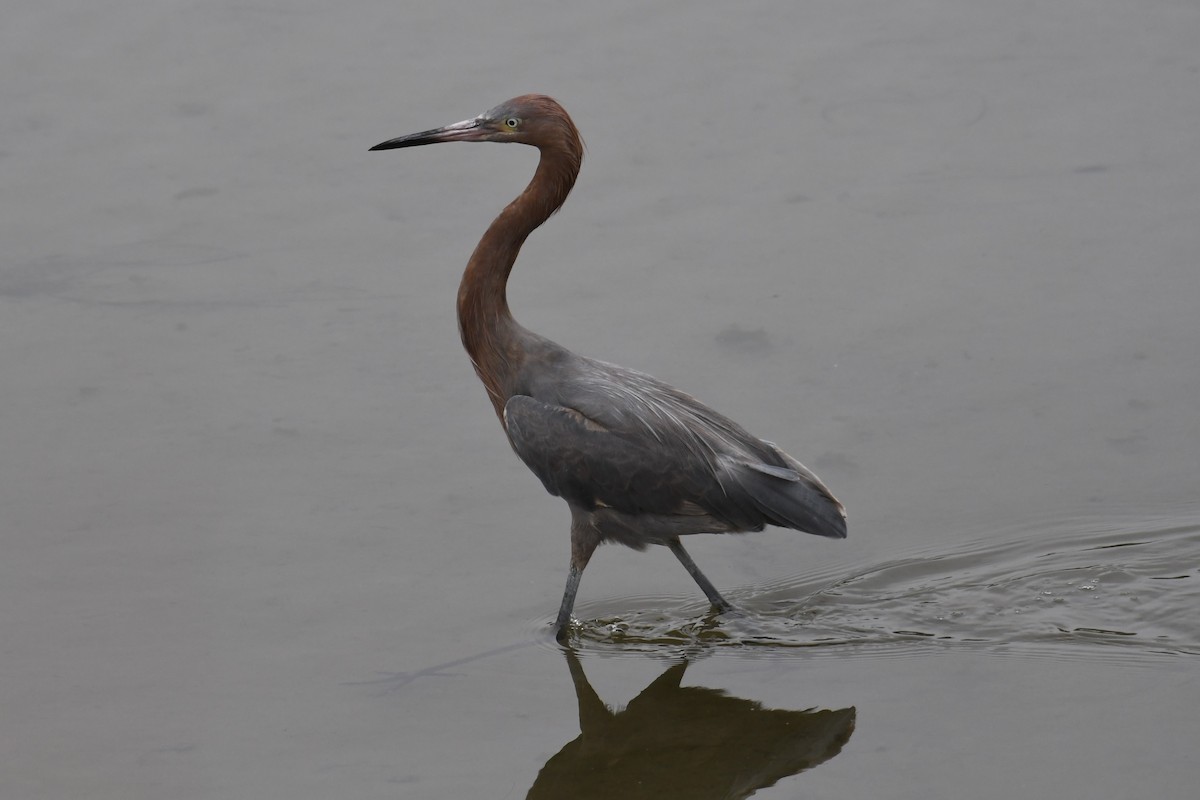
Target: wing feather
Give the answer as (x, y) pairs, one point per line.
(617, 438)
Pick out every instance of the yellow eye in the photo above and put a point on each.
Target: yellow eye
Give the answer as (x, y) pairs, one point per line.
(511, 123)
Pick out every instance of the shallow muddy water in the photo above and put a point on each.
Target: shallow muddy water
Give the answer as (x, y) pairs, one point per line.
(261, 535)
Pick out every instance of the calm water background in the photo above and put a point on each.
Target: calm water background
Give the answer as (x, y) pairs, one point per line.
(261, 535)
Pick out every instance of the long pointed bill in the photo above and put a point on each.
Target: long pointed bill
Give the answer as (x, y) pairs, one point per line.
(469, 130)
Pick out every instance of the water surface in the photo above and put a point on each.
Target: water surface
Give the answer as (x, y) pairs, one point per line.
(261, 535)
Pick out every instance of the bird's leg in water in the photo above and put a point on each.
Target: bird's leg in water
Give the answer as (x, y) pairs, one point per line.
(719, 603)
(568, 602)
(584, 541)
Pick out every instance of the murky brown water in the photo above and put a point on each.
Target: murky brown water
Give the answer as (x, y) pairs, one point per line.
(262, 536)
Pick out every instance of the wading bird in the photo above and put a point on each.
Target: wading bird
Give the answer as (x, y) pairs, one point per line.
(637, 461)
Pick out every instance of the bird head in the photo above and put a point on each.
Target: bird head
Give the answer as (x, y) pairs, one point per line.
(532, 119)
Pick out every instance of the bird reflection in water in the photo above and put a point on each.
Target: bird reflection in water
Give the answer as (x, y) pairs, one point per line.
(674, 741)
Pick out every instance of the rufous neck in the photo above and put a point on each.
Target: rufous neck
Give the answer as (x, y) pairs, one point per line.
(488, 330)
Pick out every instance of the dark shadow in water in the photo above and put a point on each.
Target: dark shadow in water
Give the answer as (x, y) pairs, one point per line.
(674, 741)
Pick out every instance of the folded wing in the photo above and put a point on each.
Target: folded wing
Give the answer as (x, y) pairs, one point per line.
(636, 445)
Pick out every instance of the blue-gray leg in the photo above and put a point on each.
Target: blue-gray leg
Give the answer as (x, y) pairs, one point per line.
(719, 603)
(568, 603)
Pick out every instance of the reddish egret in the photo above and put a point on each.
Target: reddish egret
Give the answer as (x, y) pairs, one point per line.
(638, 461)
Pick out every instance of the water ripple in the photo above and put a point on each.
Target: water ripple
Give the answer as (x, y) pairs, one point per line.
(1125, 589)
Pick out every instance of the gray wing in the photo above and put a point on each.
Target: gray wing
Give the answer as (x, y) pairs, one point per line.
(621, 439)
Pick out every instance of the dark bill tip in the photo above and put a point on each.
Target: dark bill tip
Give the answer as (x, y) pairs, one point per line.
(469, 130)
(412, 140)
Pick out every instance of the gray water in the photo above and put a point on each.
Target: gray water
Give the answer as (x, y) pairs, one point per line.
(261, 535)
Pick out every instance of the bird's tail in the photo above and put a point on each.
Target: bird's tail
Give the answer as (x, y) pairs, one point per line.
(791, 497)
